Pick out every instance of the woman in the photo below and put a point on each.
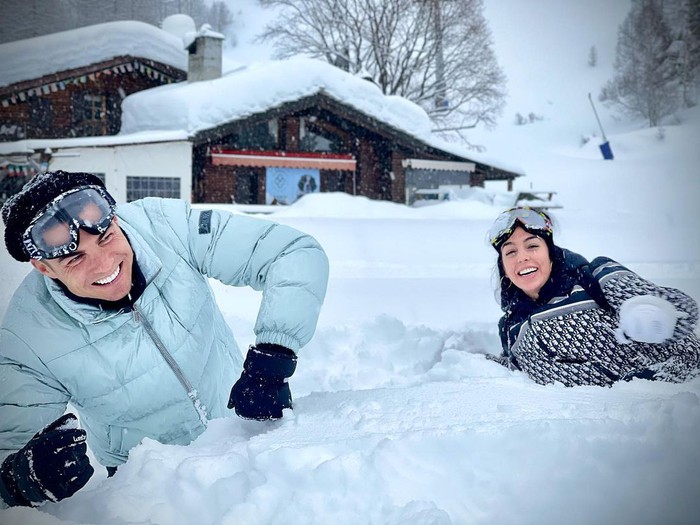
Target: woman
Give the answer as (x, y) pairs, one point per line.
(582, 323)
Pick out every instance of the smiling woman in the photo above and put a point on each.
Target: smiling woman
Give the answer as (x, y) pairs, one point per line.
(580, 323)
(526, 261)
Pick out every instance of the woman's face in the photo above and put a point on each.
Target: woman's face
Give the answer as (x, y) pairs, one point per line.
(526, 261)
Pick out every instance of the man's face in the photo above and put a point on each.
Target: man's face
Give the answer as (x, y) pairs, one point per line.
(101, 268)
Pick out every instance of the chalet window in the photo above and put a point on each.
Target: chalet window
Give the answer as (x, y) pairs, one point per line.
(40, 123)
(10, 131)
(316, 139)
(89, 114)
(140, 187)
(262, 136)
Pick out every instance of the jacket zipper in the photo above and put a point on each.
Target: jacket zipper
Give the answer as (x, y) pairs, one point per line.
(191, 392)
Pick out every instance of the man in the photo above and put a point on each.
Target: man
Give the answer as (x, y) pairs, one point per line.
(119, 320)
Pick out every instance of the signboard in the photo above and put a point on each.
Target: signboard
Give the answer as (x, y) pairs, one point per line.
(286, 185)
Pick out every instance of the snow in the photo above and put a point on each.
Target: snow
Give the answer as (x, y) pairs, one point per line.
(179, 25)
(399, 418)
(199, 106)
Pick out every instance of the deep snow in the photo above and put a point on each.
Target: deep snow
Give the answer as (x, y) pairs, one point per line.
(399, 418)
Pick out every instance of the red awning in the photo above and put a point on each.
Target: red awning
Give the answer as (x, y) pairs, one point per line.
(281, 159)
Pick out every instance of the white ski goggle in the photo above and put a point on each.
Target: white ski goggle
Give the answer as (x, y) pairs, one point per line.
(506, 222)
(54, 231)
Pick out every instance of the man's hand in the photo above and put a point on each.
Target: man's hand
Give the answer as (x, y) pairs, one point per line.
(261, 392)
(52, 466)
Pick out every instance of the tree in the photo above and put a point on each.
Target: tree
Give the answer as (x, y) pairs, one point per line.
(219, 16)
(30, 18)
(593, 57)
(646, 80)
(684, 19)
(437, 53)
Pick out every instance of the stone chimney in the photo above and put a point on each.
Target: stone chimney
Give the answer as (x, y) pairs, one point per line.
(205, 55)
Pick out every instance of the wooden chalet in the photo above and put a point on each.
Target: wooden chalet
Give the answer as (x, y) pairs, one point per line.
(353, 153)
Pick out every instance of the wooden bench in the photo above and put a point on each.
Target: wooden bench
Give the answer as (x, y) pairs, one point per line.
(537, 200)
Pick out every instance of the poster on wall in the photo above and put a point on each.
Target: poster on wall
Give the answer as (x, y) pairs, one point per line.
(286, 185)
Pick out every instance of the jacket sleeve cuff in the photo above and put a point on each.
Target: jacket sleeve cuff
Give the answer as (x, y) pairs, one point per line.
(277, 338)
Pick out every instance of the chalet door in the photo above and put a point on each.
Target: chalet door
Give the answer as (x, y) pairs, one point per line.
(334, 180)
(246, 186)
(40, 123)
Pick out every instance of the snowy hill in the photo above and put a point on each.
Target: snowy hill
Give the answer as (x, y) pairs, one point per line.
(399, 418)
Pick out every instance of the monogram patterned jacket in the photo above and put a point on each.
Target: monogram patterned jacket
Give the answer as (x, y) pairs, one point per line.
(567, 334)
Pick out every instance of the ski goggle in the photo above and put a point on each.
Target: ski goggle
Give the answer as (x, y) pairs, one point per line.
(507, 221)
(54, 231)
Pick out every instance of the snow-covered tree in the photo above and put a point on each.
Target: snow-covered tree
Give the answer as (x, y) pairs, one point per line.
(593, 57)
(219, 15)
(29, 18)
(646, 80)
(684, 18)
(437, 53)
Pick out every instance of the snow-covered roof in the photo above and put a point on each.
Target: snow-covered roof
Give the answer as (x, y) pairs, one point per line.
(204, 31)
(35, 57)
(257, 88)
(32, 145)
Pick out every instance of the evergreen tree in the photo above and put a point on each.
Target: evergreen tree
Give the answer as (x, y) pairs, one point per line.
(646, 81)
(219, 16)
(31, 18)
(593, 57)
(684, 19)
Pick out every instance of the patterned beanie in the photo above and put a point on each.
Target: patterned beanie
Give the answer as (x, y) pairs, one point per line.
(21, 208)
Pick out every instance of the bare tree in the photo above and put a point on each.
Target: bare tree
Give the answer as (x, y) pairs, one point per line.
(646, 79)
(437, 53)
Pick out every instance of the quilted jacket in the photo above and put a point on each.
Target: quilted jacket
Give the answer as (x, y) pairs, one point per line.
(161, 369)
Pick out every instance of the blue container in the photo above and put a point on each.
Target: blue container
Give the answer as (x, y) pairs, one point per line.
(606, 151)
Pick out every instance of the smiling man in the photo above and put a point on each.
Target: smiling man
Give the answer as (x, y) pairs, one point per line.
(100, 266)
(119, 320)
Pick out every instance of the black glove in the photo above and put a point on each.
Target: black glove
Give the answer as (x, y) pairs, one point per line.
(51, 467)
(261, 392)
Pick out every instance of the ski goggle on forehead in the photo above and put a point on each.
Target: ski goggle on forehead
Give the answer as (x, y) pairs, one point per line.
(507, 221)
(54, 231)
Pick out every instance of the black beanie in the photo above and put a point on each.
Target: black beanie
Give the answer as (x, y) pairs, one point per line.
(19, 210)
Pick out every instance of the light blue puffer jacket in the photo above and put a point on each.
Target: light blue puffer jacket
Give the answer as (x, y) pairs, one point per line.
(108, 365)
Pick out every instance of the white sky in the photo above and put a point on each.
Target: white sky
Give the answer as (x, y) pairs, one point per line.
(399, 418)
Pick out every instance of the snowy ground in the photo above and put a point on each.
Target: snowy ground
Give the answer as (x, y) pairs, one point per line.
(399, 418)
